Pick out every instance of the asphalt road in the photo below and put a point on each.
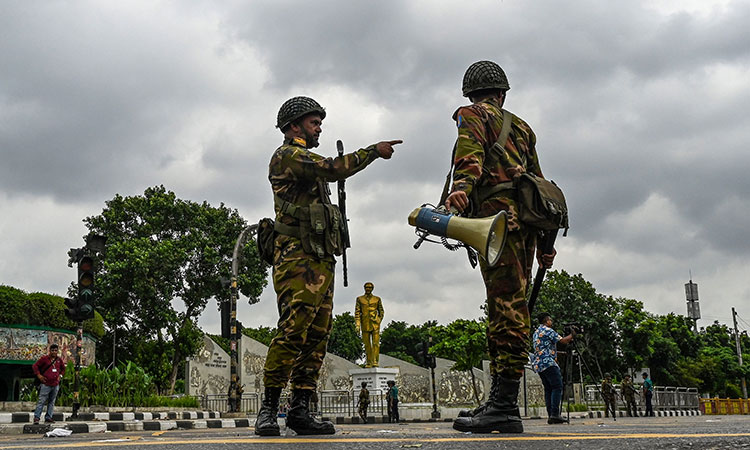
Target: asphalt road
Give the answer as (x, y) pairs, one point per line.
(702, 432)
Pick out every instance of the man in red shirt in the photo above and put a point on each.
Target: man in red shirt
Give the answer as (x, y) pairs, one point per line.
(49, 369)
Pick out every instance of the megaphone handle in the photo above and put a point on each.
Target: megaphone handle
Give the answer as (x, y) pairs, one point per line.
(421, 239)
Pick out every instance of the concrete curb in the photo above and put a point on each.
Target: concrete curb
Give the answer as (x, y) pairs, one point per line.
(134, 425)
(28, 417)
(660, 413)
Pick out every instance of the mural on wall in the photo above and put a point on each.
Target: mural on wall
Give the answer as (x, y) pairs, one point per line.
(455, 387)
(208, 370)
(24, 344)
(253, 364)
(413, 388)
(329, 381)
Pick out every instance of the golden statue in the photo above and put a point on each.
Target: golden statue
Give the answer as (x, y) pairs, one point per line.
(368, 313)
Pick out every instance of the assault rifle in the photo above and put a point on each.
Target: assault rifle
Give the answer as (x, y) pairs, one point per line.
(342, 208)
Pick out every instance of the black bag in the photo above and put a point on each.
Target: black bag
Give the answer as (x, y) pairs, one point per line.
(264, 239)
(37, 381)
(541, 203)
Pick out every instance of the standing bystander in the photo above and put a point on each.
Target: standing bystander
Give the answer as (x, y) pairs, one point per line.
(49, 370)
(648, 392)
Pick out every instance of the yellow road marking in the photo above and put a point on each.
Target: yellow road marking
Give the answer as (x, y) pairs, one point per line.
(294, 440)
(158, 433)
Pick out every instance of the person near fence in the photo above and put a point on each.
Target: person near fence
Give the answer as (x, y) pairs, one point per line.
(482, 186)
(608, 395)
(392, 399)
(648, 393)
(49, 370)
(307, 237)
(364, 401)
(628, 395)
(544, 362)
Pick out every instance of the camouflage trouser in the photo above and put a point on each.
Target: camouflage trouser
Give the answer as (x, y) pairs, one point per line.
(304, 290)
(363, 409)
(509, 323)
(630, 406)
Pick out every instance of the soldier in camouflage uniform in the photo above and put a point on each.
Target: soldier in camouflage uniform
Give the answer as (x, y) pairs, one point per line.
(628, 394)
(608, 395)
(308, 236)
(364, 401)
(482, 188)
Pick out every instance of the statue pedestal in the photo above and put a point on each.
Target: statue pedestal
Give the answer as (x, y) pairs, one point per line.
(376, 377)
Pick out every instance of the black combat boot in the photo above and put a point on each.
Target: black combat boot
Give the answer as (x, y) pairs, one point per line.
(480, 408)
(501, 413)
(298, 417)
(266, 424)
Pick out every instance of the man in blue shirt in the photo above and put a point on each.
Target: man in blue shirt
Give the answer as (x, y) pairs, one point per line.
(648, 392)
(544, 362)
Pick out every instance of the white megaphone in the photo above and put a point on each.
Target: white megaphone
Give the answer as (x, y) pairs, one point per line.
(486, 235)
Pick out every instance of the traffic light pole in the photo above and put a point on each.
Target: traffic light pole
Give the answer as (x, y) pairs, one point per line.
(77, 383)
(435, 412)
(235, 387)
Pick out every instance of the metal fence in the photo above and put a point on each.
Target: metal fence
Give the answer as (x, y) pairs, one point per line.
(326, 403)
(665, 397)
(250, 403)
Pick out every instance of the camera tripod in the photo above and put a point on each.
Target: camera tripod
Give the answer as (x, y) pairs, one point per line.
(569, 377)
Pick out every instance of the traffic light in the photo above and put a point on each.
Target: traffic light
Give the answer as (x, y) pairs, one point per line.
(71, 308)
(424, 357)
(85, 304)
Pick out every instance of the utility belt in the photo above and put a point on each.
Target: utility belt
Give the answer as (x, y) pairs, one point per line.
(319, 226)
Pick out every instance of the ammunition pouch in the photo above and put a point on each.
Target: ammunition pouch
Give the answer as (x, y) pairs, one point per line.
(264, 239)
(541, 203)
(320, 229)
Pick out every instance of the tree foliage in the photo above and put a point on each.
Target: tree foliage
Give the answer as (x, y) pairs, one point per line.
(161, 252)
(261, 334)
(39, 309)
(401, 340)
(344, 340)
(464, 342)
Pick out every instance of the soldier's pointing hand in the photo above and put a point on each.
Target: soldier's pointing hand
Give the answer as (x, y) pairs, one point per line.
(385, 148)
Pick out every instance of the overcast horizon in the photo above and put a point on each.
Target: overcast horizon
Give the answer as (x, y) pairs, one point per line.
(639, 108)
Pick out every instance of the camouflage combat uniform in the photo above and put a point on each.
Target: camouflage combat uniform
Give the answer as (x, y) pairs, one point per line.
(628, 394)
(509, 324)
(303, 281)
(364, 403)
(608, 395)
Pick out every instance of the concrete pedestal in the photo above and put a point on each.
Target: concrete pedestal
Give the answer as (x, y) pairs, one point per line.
(376, 377)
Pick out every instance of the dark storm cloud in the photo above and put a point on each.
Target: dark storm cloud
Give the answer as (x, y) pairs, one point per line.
(640, 115)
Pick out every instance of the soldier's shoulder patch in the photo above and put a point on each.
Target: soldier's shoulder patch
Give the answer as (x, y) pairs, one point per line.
(459, 121)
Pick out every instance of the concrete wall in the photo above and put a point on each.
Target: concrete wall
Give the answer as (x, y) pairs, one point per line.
(208, 371)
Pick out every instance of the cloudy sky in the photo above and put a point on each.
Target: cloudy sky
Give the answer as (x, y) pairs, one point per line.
(640, 110)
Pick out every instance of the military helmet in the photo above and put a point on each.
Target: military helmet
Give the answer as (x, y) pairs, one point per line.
(295, 108)
(484, 75)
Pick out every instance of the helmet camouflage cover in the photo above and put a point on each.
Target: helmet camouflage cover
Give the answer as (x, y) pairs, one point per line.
(484, 75)
(295, 108)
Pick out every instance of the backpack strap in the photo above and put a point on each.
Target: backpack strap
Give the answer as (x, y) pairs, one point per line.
(497, 151)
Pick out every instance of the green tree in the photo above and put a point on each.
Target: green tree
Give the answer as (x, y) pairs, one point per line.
(401, 340)
(40, 309)
(163, 251)
(464, 342)
(634, 335)
(344, 340)
(572, 299)
(261, 334)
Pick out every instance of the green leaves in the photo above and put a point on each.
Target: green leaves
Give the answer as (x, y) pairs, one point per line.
(164, 262)
(344, 340)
